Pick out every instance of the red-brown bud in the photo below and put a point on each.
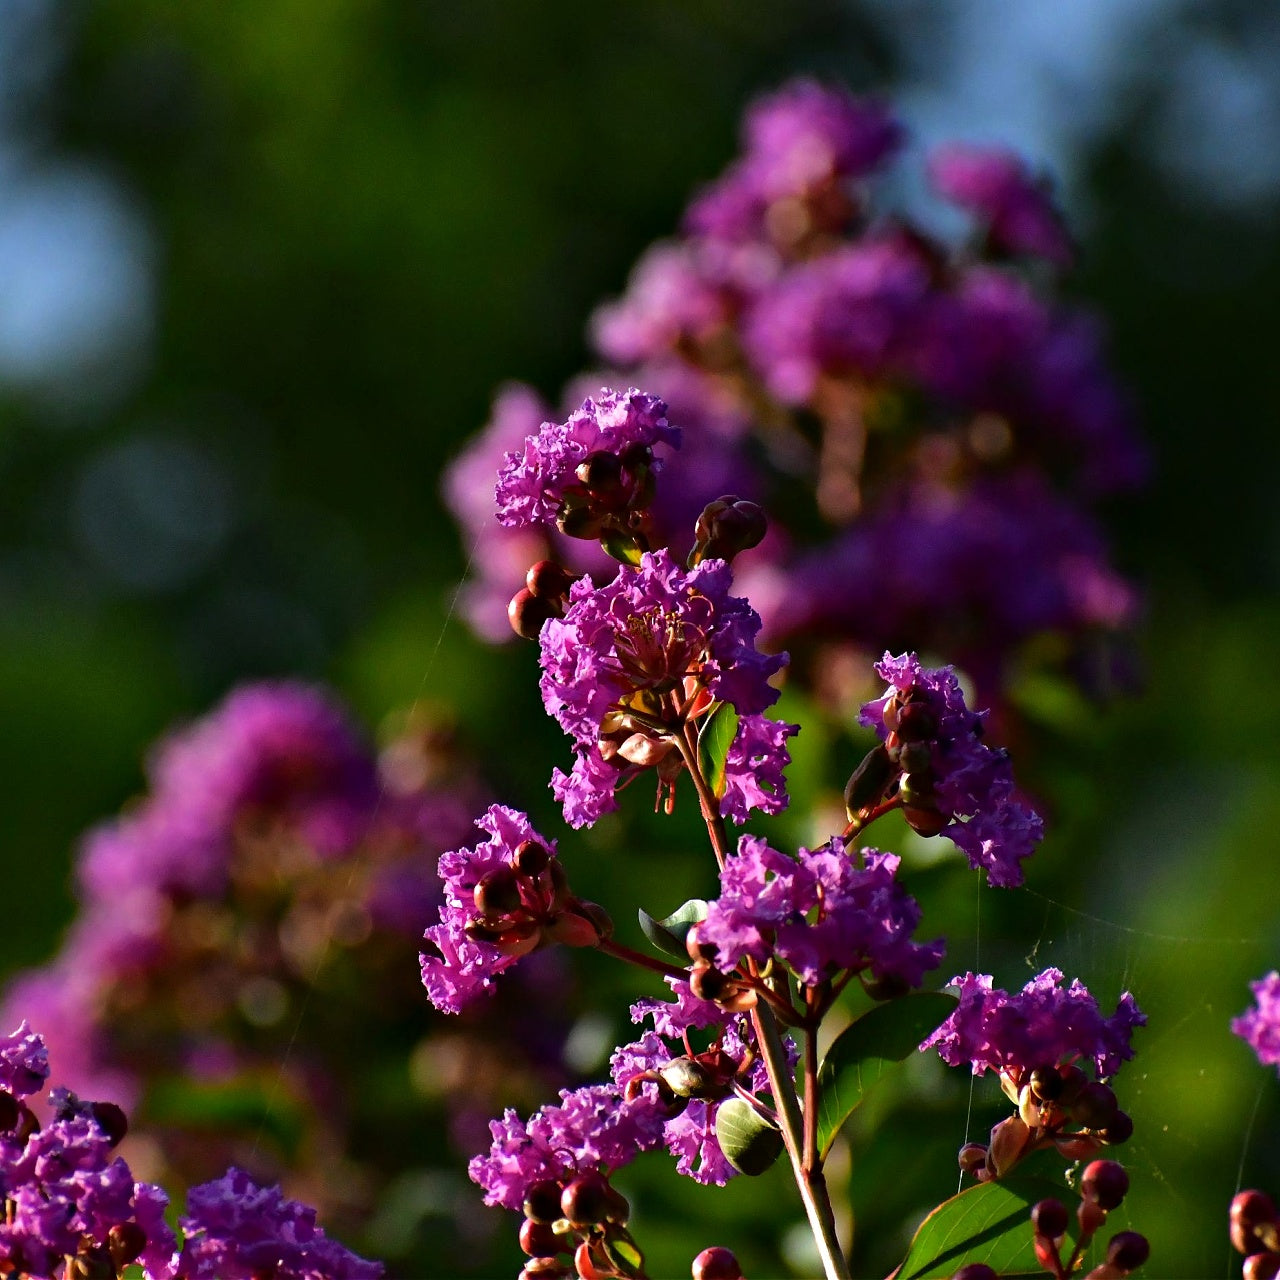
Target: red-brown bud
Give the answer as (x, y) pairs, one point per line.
(917, 723)
(972, 1157)
(1119, 1130)
(1094, 1106)
(1105, 1182)
(1254, 1223)
(1127, 1251)
(497, 893)
(549, 580)
(1261, 1266)
(716, 1263)
(531, 858)
(539, 1239)
(528, 612)
(586, 1199)
(975, 1271)
(542, 1201)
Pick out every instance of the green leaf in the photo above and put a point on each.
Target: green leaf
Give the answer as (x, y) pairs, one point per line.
(865, 1051)
(626, 548)
(988, 1223)
(669, 934)
(718, 732)
(749, 1142)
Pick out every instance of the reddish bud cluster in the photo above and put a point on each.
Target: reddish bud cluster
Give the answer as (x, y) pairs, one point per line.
(613, 492)
(1103, 1186)
(544, 595)
(1049, 1100)
(528, 903)
(582, 1218)
(1255, 1232)
(727, 526)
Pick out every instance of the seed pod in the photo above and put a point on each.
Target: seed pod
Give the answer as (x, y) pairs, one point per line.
(1105, 1182)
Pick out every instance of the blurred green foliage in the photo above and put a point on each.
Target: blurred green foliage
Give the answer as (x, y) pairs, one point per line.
(365, 215)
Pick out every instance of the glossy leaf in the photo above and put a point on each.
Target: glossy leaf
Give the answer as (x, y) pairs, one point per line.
(749, 1142)
(627, 548)
(988, 1223)
(864, 1052)
(668, 935)
(718, 732)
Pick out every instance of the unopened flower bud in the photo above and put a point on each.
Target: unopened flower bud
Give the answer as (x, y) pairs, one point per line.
(578, 520)
(1254, 1222)
(531, 857)
(573, 930)
(1049, 1218)
(716, 1263)
(548, 580)
(925, 822)
(1120, 1129)
(687, 1078)
(972, 1156)
(10, 1112)
(636, 456)
(1073, 1080)
(1261, 1266)
(110, 1119)
(1106, 1182)
(497, 893)
(600, 471)
(917, 723)
(528, 612)
(975, 1271)
(1094, 1106)
(1127, 1251)
(586, 1199)
(599, 917)
(545, 1269)
(727, 526)
(539, 1240)
(618, 1207)
(705, 982)
(542, 1201)
(125, 1241)
(916, 757)
(1046, 1083)
(869, 779)
(1008, 1142)
(697, 949)
(915, 790)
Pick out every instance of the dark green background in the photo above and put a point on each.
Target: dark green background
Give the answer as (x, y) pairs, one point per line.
(360, 219)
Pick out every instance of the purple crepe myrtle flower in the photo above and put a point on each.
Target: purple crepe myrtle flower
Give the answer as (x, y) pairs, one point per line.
(534, 482)
(503, 898)
(1043, 1025)
(237, 1230)
(1259, 1027)
(65, 1193)
(803, 143)
(282, 749)
(1017, 209)
(632, 662)
(819, 913)
(591, 1129)
(24, 1062)
(949, 773)
(857, 310)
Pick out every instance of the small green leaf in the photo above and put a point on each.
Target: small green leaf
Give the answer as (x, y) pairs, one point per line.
(718, 732)
(623, 1253)
(669, 934)
(988, 1223)
(865, 1051)
(749, 1142)
(627, 548)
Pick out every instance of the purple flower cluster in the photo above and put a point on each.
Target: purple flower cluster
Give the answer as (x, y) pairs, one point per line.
(515, 867)
(643, 1070)
(819, 913)
(955, 773)
(955, 421)
(237, 1230)
(630, 662)
(1017, 210)
(65, 1194)
(592, 1129)
(1259, 1027)
(1043, 1025)
(534, 482)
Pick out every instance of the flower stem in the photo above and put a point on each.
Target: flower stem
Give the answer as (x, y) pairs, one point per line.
(622, 952)
(809, 1178)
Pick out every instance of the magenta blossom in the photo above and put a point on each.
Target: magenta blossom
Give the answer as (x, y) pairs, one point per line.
(948, 769)
(1259, 1027)
(534, 482)
(237, 1230)
(1043, 1025)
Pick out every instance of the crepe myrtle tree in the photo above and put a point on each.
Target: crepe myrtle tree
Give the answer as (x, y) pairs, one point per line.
(657, 681)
